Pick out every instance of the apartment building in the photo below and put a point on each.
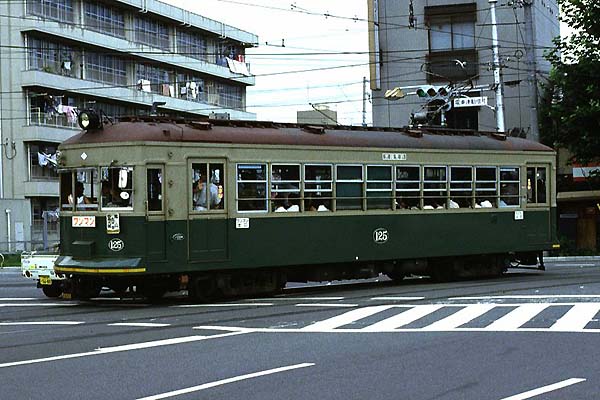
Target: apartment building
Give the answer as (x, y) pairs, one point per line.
(118, 57)
(449, 42)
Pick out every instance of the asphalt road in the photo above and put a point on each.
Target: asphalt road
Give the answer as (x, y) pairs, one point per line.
(530, 334)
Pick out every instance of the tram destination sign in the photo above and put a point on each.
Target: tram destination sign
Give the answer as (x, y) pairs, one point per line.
(470, 101)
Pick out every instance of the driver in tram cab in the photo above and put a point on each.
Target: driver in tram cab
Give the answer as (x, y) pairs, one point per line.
(81, 198)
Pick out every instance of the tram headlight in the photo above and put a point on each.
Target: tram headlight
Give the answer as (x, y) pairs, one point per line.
(89, 120)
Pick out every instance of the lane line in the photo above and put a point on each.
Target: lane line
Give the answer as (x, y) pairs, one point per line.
(325, 305)
(402, 319)
(577, 317)
(517, 317)
(460, 317)
(346, 318)
(531, 296)
(18, 298)
(545, 389)
(223, 305)
(400, 298)
(333, 298)
(226, 381)
(42, 323)
(127, 347)
(38, 305)
(139, 324)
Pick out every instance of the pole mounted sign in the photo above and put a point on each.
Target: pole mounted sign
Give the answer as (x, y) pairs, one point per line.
(470, 101)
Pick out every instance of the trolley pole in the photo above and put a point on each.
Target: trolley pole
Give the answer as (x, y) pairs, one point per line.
(497, 70)
(364, 102)
(534, 133)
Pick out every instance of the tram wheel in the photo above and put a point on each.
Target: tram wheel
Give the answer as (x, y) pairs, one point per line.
(53, 291)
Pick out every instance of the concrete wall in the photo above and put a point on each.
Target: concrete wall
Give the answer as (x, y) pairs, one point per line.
(20, 225)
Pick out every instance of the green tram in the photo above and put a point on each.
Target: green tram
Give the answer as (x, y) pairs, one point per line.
(238, 207)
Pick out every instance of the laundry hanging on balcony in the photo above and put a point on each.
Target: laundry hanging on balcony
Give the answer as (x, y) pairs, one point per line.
(238, 67)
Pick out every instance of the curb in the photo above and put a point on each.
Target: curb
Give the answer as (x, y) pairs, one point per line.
(573, 258)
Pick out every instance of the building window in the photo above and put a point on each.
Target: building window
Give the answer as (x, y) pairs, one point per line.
(42, 160)
(451, 38)
(54, 58)
(191, 45)
(39, 206)
(58, 10)
(153, 79)
(224, 95)
(152, 32)
(106, 69)
(102, 18)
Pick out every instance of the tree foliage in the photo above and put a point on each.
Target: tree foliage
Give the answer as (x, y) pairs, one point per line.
(570, 109)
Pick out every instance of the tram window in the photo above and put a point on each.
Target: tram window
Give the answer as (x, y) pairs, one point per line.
(86, 196)
(208, 191)
(252, 187)
(485, 187)
(379, 187)
(461, 187)
(66, 188)
(408, 187)
(154, 188)
(509, 187)
(318, 187)
(349, 187)
(285, 188)
(434, 188)
(117, 187)
(536, 185)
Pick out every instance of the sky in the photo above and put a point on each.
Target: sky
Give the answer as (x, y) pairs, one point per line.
(312, 40)
(314, 35)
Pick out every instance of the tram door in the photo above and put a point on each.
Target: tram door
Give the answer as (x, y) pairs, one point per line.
(156, 225)
(207, 217)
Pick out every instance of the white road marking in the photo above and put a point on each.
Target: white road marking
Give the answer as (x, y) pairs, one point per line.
(42, 323)
(127, 347)
(545, 389)
(223, 305)
(459, 318)
(531, 296)
(577, 317)
(393, 298)
(517, 317)
(38, 304)
(346, 318)
(404, 318)
(326, 305)
(304, 298)
(18, 298)
(139, 324)
(226, 381)
(574, 265)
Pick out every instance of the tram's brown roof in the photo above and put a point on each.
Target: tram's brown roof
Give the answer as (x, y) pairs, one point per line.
(268, 133)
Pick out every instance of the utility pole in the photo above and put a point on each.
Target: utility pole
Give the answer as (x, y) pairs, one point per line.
(534, 133)
(364, 110)
(497, 71)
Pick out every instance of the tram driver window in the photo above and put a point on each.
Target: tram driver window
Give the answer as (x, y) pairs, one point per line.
(252, 187)
(285, 188)
(117, 187)
(154, 188)
(536, 185)
(317, 187)
(208, 191)
(79, 190)
(66, 188)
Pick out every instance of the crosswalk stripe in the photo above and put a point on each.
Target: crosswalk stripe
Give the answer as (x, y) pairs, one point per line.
(459, 318)
(576, 318)
(402, 319)
(517, 317)
(345, 318)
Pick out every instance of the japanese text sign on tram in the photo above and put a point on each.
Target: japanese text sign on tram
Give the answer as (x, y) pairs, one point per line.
(81, 221)
(470, 101)
(393, 156)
